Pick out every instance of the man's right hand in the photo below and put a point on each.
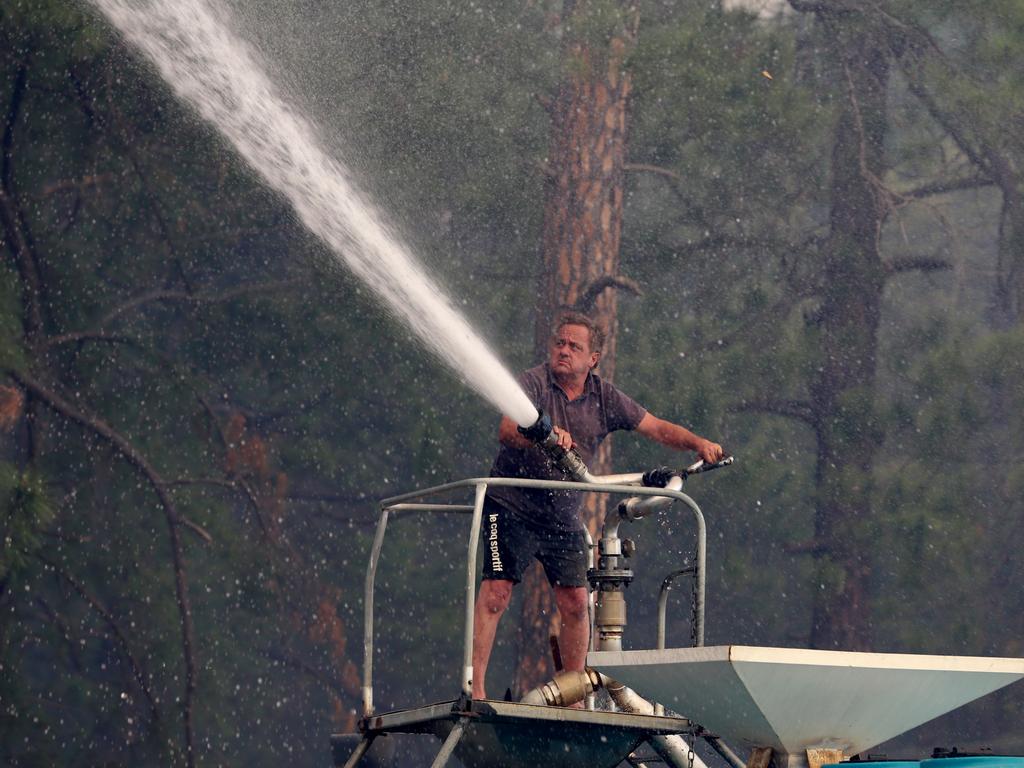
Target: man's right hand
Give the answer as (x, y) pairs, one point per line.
(565, 441)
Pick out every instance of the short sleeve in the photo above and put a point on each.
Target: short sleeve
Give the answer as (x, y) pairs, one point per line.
(622, 411)
(532, 386)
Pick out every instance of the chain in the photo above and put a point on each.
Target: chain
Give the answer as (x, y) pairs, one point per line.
(689, 754)
(693, 611)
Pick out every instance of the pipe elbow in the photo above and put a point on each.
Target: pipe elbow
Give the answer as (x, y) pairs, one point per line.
(636, 507)
(564, 689)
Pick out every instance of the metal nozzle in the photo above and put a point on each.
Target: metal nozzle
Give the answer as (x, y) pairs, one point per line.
(542, 433)
(540, 430)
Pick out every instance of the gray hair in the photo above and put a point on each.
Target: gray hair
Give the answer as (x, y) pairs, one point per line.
(597, 334)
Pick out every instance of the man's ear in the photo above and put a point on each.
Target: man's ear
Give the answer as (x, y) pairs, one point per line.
(595, 359)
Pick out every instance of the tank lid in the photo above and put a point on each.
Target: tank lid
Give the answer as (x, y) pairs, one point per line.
(794, 699)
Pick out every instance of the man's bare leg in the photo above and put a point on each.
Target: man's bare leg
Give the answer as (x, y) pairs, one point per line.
(491, 603)
(574, 635)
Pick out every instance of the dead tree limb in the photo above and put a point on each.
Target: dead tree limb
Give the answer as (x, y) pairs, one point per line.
(237, 485)
(590, 292)
(655, 169)
(195, 298)
(128, 452)
(917, 263)
(793, 409)
(323, 678)
(19, 241)
(137, 672)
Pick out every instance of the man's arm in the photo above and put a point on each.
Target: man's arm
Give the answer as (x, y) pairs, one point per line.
(508, 434)
(680, 438)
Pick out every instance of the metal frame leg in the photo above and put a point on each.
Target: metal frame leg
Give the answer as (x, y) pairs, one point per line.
(449, 744)
(359, 751)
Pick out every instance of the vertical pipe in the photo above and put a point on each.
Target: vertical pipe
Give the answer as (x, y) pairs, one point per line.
(591, 701)
(474, 541)
(666, 585)
(698, 600)
(371, 573)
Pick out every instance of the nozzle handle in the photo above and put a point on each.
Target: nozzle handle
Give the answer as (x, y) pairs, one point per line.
(702, 466)
(570, 461)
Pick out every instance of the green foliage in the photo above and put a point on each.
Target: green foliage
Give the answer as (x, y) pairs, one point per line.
(26, 512)
(277, 418)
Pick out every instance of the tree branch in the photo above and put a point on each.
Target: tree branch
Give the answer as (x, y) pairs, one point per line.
(115, 628)
(136, 460)
(19, 242)
(589, 294)
(808, 547)
(238, 486)
(195, 298)
(945, 187)
(793, 409)
(80, 336)
(917, 263)
(76, 185)
(324, 679)
(127, 148)
(655, 169)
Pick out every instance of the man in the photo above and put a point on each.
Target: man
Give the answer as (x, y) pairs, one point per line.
(522, 523)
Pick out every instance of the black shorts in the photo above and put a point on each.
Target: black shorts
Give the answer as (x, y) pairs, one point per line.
(509, 543)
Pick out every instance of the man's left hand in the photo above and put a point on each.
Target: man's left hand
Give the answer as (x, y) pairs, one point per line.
(710, 452)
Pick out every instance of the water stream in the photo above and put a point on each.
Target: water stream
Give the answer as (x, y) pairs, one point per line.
(192, 46)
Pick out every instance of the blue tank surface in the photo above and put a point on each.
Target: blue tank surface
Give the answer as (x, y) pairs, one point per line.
(975, 761)
(962, 761)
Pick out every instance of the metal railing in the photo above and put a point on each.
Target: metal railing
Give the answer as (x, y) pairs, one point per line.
(406, 502)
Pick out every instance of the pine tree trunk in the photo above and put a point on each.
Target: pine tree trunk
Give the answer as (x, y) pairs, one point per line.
(580, 249)
(842, 395)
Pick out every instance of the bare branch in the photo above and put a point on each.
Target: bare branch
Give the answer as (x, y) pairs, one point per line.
(19, 241)
(238, 486)
(196, 298)
(80, 336)
(76, 185)
(808, 547)
(917, 263)
(323, 678)
(793, 409)
(828, 7)
(655, 169)
(115, 628)
(806, 6)
(139, 462)
(945, 187)
(589, 294)
(127, 148)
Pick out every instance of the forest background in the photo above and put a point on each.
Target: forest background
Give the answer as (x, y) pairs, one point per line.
(815, 255)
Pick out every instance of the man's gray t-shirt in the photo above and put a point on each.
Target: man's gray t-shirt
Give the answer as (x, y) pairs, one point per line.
(589, 418)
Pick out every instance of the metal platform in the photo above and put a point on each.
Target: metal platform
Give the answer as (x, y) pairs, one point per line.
(504, 734)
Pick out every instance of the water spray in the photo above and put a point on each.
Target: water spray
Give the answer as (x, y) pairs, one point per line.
(193, 46)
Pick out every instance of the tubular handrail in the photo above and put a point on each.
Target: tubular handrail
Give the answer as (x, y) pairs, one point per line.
(663, 602)
(406, 502)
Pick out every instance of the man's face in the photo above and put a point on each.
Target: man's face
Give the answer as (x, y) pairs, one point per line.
(570, 352)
